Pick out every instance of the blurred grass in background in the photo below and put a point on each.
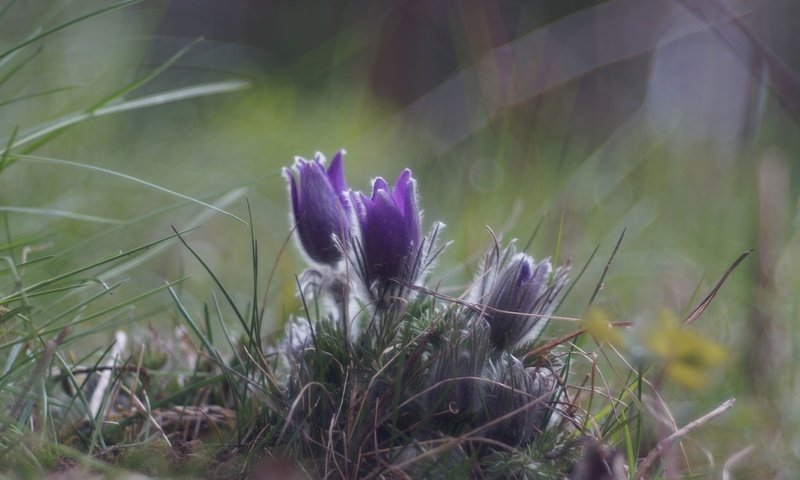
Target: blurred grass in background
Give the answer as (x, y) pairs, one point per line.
(675, 120)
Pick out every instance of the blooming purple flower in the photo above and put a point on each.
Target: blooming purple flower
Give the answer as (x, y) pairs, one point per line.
(320, 206)
(518, 294)
(390, 238)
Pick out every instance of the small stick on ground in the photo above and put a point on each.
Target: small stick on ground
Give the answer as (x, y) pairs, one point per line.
(735, 460)
(668, 442)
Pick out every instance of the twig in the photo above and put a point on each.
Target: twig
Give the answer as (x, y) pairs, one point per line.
(608, 265)
(45, 356)
(296, 402)
(735, 460)
(98, 399)
(567, 337)
(707, 301)
(667, 443)
(150, 418)
(480, 308)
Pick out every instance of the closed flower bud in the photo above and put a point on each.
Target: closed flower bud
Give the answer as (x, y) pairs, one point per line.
(458, 368)
(518, 295)
(390, 232)
(514, 388)
(320, 206)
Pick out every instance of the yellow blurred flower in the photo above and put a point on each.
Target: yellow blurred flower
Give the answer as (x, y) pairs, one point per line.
(686, 355)
(598, 325)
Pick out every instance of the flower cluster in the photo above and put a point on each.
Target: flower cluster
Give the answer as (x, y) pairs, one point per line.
(380, 234)
(375, 243)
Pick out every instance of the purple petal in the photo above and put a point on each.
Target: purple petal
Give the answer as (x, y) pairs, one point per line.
(524, 273)
(379, 185)
(386, 239)
(401, 188)
(363, 205)
(292, 192)
(336, 173)
(405, 196)
(539, 278)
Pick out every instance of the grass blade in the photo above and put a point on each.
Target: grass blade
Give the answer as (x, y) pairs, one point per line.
(608, 265)
(10, 73)
(144, 80)
(64, 25)
(216, 281)
(58, 213)
(71, 273)
(713, 293)
(131, 178)
(33, 95)
(148, 101)
(78, 321)
(7, 151)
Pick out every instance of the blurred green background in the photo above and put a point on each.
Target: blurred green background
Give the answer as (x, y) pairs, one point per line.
(674, 119)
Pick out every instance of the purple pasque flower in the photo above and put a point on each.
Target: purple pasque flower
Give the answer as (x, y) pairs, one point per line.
(390, 238)
(320, 206)
(518, 294)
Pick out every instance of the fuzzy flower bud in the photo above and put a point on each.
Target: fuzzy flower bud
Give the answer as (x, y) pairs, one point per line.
(455, 385)
(518, 295)
(390, 230)
(319, 206)
(514, 388)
